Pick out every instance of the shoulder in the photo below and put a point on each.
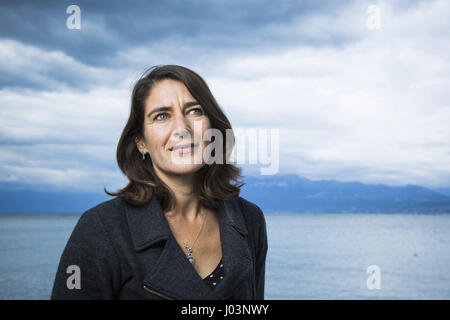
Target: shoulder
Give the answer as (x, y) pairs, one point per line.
(252, 213)
(256, 224)
(109, 207)
(106, 215)
(248, 205)
(250, 209)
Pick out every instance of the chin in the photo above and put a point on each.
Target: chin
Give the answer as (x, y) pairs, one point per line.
(183, 169)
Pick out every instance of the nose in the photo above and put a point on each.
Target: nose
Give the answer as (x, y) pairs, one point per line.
(181, 128)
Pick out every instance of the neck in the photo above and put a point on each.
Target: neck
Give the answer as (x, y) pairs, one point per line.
(182, 186)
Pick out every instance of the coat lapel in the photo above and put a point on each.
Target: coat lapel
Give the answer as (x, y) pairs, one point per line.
(236, 256)
(171, 274)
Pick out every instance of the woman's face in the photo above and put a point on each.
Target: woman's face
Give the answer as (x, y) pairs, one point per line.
(171, 114)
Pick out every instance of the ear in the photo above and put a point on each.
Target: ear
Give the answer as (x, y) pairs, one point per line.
(140, 144)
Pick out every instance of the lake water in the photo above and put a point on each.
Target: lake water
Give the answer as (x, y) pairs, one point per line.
(311, 256)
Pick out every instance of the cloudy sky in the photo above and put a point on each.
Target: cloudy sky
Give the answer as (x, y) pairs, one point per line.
(356, 94)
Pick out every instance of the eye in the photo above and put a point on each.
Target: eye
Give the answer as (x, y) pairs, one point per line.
(161, 116)
(196, 111)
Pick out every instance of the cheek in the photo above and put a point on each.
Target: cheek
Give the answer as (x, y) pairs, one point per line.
(199, 128)
(155, 139)
(207, 123)
(205, 126)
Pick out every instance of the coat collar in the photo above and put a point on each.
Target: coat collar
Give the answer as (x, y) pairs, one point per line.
(149, 226)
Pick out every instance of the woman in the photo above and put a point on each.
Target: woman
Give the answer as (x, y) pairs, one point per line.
(179, 229)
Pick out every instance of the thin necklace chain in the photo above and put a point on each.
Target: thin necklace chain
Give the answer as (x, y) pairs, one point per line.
(188, 248)
(200, 230)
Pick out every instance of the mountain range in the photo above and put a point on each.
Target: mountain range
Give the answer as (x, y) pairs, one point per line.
(291, 193)
(279, 193)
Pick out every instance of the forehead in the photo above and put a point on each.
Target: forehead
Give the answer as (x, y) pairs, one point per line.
(168, 92)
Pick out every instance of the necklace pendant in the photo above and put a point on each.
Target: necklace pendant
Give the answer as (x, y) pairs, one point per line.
(191, 258)
(189, 255)
(189, 249)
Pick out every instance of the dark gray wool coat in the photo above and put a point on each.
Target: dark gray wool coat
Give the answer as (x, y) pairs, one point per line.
(129, 252)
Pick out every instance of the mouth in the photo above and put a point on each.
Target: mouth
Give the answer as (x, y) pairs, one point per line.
(184, 148)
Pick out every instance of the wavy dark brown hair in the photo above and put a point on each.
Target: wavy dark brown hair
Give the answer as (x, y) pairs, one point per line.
(213, 182)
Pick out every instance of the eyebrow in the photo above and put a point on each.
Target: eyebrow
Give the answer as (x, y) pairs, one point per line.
(167, 108)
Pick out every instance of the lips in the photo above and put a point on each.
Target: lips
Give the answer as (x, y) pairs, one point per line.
(183, 146)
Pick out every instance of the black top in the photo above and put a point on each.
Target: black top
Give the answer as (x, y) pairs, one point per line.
(120, 251)
(216, 276)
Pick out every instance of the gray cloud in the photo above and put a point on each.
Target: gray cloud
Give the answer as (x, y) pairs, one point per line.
(109, 27)
(351, 103)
